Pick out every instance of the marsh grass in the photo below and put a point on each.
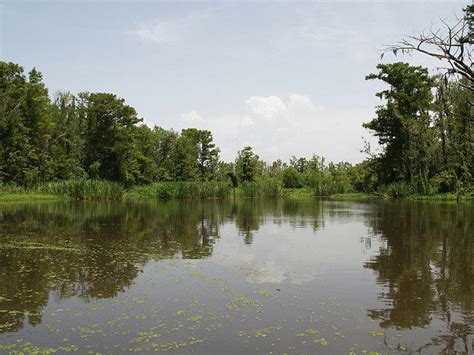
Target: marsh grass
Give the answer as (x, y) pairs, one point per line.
(83, 189)
(183, 190)
(261, 188)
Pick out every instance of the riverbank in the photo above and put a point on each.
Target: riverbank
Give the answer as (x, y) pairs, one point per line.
(28, 197)
(82, 189)
(232, 193)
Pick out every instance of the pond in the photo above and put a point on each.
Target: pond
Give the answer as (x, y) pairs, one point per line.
(244, 276)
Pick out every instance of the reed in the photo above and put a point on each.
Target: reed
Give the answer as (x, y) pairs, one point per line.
(261, 188)
(184, 190)
(84, 189)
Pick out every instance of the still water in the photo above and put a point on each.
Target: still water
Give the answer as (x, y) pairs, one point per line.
(237, 277)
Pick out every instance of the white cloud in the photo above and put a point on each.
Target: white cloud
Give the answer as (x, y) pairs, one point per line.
(166, 31)
(246, 121)
(278, 127)
(267, 107)
(302, 104)
(192, 118)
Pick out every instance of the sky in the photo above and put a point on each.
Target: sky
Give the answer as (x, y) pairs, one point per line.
(287, 77)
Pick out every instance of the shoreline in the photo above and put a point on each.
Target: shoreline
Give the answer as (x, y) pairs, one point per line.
(287, 194)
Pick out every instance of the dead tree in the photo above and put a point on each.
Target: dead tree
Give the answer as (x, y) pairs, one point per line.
(452, 44)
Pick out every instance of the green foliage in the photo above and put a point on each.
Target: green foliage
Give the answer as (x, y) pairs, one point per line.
(247, 165)
(403, 124)
(267, 187)
(427, 141)
(399, 189)
(291, 178)
(184, 190)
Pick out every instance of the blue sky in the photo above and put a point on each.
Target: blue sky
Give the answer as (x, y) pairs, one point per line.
(286, 78)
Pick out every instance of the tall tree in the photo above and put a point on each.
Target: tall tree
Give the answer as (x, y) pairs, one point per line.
(67, 140)
(14, 135)
(454, 121)
(207, 154)
(402, 125)
(109, 146)
(246, 164)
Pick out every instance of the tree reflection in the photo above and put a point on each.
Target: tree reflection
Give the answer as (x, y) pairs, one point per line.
(91, 250)
(426, 266)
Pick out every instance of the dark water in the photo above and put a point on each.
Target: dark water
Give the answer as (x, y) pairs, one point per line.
(237, 277)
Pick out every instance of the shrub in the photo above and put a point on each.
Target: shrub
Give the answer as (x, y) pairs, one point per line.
(291, 178)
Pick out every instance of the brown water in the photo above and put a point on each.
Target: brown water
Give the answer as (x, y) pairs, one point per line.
(237, 277)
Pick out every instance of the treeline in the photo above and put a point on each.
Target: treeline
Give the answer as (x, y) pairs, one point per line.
(425, 128)
(90, 135)
(99, 136)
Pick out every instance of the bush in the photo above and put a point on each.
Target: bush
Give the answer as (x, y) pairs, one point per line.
(291, 178)
(444, 182)
(399, 189)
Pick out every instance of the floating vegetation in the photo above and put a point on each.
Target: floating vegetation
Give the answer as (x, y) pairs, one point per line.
(321, 341)
(375, 333)
(39, 246)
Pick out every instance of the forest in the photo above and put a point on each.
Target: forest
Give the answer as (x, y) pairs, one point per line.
(424, 126)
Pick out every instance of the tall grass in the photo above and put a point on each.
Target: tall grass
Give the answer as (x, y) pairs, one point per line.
(184, 190)
(12, 189)
(208, 190)
(83, 189)
(261, 188)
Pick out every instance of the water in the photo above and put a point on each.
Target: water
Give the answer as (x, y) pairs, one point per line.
(237, 277)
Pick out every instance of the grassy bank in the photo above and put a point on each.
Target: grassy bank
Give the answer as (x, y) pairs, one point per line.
(268, 188)
(80, 189)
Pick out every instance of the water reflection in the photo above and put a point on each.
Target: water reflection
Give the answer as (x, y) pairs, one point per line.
(426, 267)
(422, 254)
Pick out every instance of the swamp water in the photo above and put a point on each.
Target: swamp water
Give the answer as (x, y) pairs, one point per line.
(233, 277)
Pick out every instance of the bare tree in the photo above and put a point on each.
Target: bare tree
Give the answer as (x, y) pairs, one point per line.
(452, 44)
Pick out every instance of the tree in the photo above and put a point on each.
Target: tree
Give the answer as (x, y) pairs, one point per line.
(15, 143)
(109, 146)
(25, 126)
(39, 120)
(453, 119)
(402, 125)
(451, 45)
(184, 158)
(291, 178)
(207, 155)
(246, 164)
(67, 138)
(163, 153)
(299, 163)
